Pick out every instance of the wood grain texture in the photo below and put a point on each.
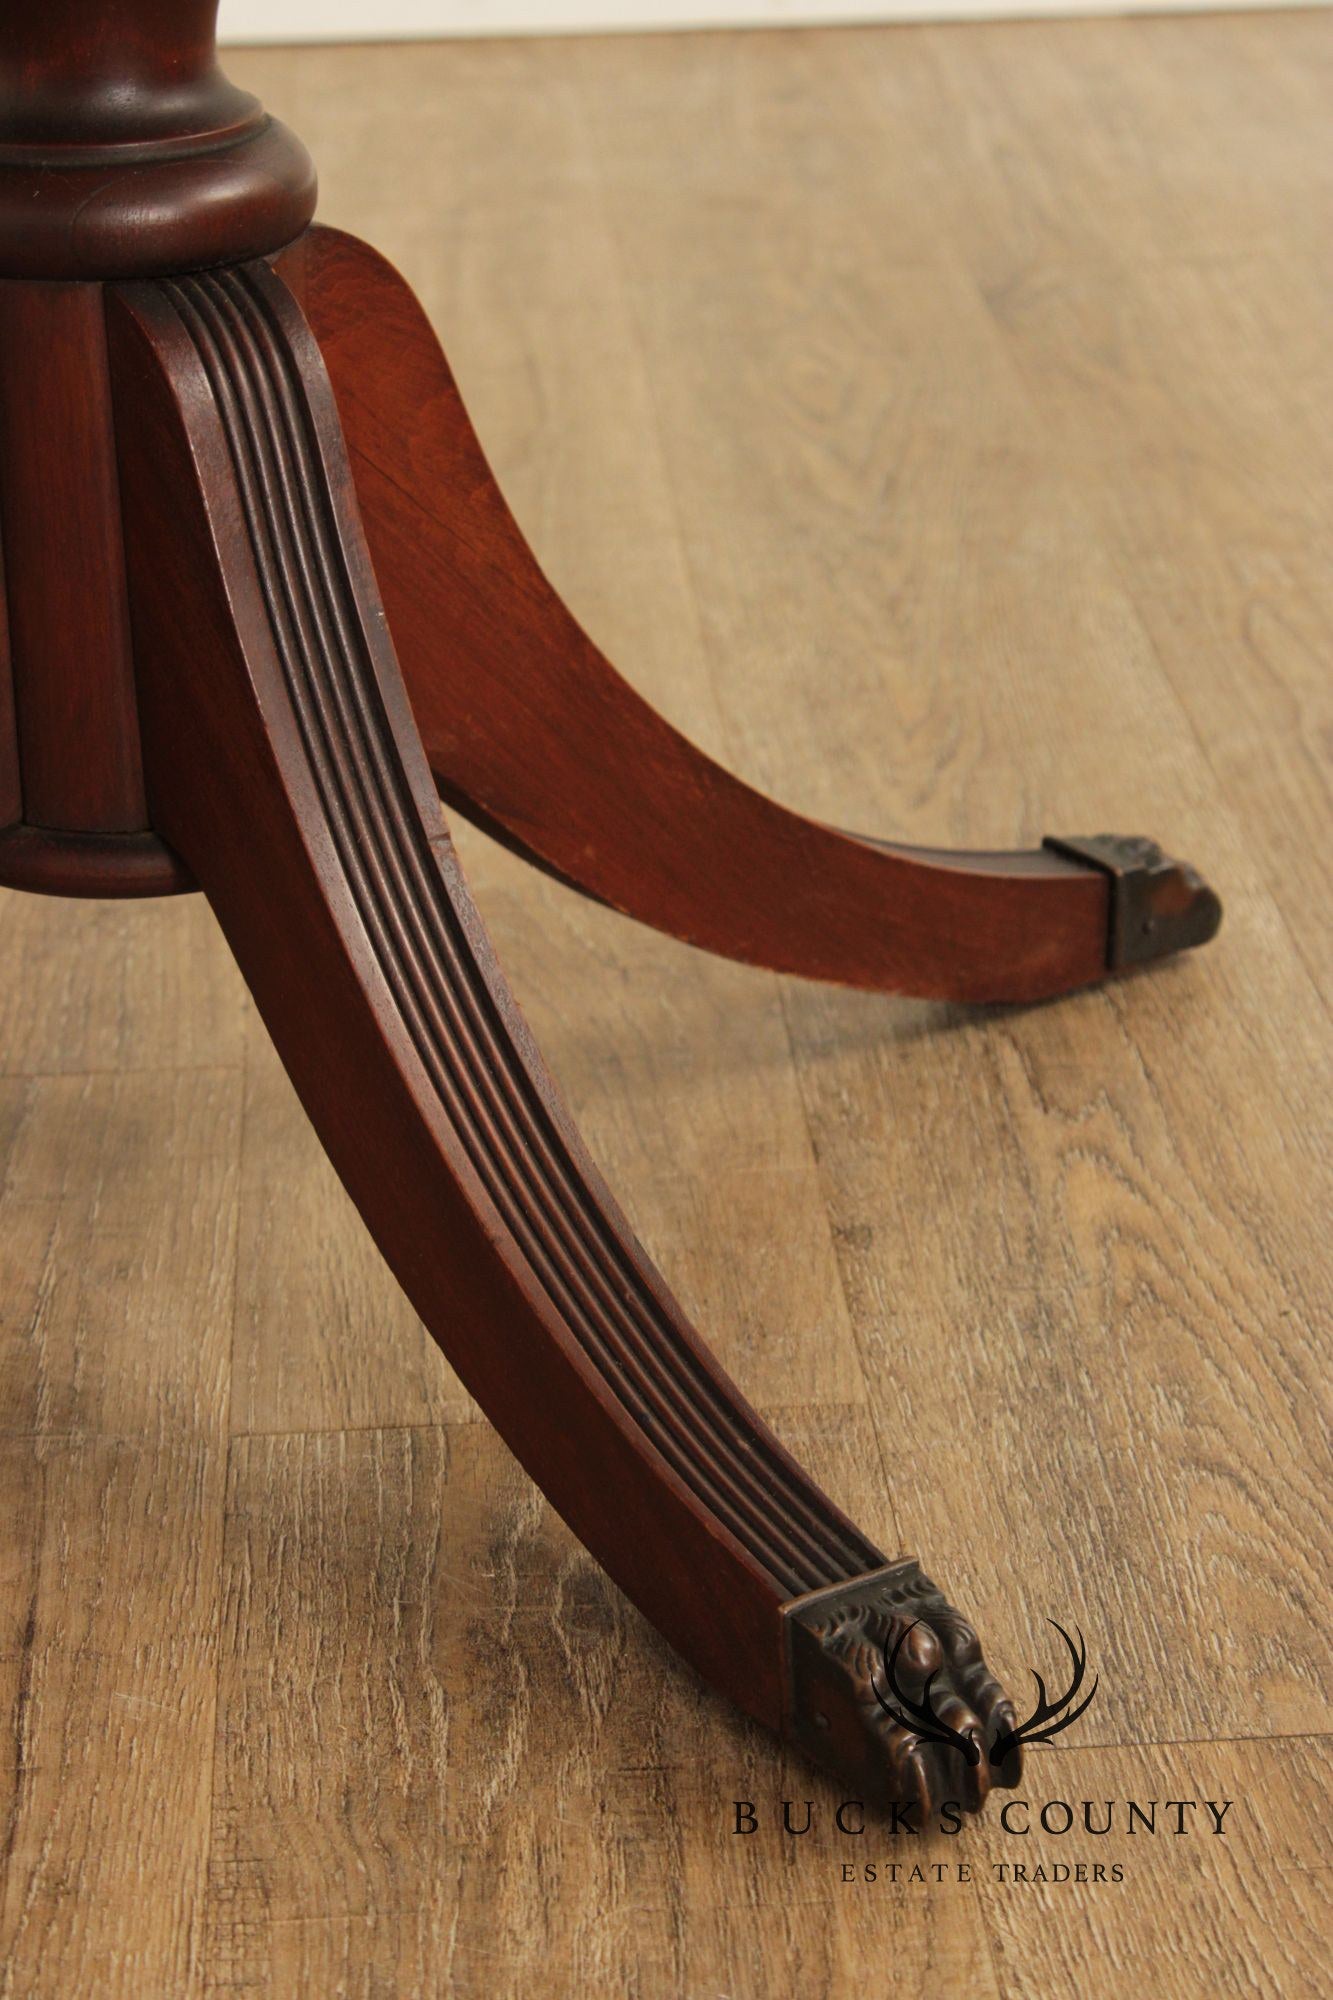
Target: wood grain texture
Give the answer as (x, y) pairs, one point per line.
(127, 150)
(307, 1263)
(116, 986)
(1188, 1917)
(1134, 1185)
(587, 1848)
(1135, 1204)
(401, 1609)
(113, 1365)
(281, 764)
(11, 790)
(68, 619)
(531, 731)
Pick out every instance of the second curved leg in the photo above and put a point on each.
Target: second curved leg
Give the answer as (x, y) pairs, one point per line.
(531, 731)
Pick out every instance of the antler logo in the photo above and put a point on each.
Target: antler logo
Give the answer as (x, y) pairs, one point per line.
(1047, 1719)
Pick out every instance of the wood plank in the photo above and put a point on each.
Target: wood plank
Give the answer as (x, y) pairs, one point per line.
(1182, 396)
(1070, 1263)
(118, 1254)
(1243, 1912)
(115, 987)
(1167, 305)
(324, 1336)
(107, 1675)
(459, 1759)
(117, 1219)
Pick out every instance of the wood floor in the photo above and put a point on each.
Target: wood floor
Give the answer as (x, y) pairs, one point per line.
(935, 422)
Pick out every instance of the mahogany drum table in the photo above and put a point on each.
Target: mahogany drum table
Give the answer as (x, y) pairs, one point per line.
(265, 605)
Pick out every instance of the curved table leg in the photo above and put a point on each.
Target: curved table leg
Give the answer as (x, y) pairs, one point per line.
(283, 766)
(531, 731)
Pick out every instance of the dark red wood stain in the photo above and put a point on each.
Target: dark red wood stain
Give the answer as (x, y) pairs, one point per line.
(531, 730)
(68, 615)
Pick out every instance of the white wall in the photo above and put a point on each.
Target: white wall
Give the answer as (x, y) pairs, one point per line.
(388, 20)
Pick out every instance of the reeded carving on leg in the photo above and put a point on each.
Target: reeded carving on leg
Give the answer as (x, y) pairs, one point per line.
(887, 1684)
(283, 766)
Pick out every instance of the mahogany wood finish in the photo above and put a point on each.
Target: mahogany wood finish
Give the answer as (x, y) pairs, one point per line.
(200, 689)
(532, 732)
(11, 790)
(283, 765)
(123, 148)
(102, 866)
(72, 668)
(73, 817)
